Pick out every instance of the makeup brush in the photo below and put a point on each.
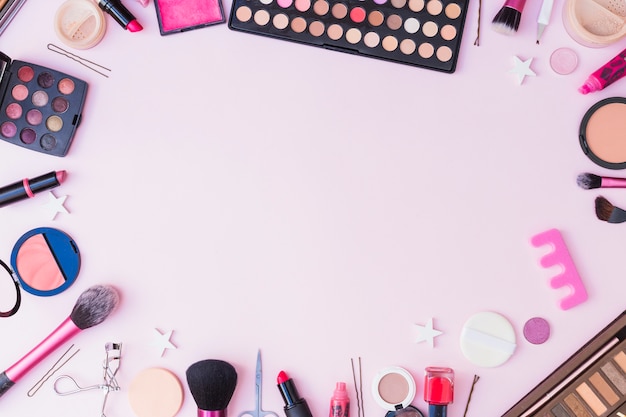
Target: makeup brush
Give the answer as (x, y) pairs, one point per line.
(212, 383)
(92, 307)
(608, 212)
(507, 20)
(590, 181)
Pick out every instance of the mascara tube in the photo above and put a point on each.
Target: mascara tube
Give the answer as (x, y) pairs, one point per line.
(295, 406)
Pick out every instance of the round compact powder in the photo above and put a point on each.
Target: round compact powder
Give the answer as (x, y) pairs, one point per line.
(393, 388)
(603, 133)
(155, 392)
(563, 61)
(79, 24)
(487, 339)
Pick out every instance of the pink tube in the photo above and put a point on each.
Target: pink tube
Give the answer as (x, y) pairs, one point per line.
(211, 413)
(515, 4)
(606, 75)
(60, 335)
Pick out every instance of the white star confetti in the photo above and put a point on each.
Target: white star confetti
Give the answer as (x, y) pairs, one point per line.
(162, 341)
(427, 333)
(54, 205)
(521, 69)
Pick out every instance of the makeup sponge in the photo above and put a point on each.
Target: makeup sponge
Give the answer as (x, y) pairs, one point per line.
(212, 383)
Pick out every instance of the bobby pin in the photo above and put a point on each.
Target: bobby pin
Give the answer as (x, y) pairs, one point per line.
(469, 398)
(57, 365)
(359, 389)
(110, 367)
(83, 61)
(477, 40)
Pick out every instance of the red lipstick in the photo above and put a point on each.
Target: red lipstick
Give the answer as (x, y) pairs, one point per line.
(295, 406)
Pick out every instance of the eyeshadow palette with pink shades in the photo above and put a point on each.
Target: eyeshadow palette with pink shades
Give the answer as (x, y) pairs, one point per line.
(422, 33)
(40, 108)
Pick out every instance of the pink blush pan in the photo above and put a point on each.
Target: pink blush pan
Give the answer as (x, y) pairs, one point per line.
(36, 262)
(182, 15)
(603, 133)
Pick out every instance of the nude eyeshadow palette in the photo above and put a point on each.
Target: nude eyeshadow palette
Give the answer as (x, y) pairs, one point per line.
(422, 33)
(40, 108)
(591, 383)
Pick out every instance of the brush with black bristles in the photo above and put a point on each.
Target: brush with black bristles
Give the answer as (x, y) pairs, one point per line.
(508, 18)
(92, 307)
(591, 181)
(608, 212)
(212, 383)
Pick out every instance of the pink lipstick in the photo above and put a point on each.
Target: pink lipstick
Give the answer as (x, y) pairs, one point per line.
(295, 406)
(120, 13)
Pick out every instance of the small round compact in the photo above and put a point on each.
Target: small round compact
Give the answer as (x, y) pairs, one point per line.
(394, 390)
(602, 133)
(80, 24)
(44, 262)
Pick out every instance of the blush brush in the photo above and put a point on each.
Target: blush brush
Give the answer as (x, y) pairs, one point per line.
(608, 212)
(589, 181)
(212, 383)
(507, 20)
(92, 307)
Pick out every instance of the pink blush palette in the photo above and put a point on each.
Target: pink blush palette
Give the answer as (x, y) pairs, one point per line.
(40, 108)
(422, 33)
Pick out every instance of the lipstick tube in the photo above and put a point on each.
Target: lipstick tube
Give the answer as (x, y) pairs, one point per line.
(27, 188)
(295, 406)
(120, 14)
(438, 390)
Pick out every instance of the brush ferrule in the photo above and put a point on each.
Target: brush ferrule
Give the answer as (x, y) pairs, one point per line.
(211, 413)
(515, 4)
(608, 182)
(60, 335)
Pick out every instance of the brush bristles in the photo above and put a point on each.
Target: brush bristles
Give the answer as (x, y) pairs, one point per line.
(507, 20)
(93, 306)
(604, 208)
(589, 181)
(212, 383)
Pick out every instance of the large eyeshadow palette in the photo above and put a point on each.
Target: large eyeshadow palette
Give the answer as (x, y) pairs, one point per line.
(40, 108)
(422, 33)
(591, 383)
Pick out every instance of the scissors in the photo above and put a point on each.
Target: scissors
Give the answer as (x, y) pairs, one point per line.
(258, 411)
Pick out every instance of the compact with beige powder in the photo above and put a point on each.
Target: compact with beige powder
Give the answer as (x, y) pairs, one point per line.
(603, 133)
(394, 390)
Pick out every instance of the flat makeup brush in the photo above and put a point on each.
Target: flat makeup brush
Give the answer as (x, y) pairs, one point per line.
(92, 307)
(212, 383)
(608, 212)
(507, 20)
(591, 181)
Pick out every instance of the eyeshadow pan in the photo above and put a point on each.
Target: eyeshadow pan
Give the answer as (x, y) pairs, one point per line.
(412, 25)
(416, 5)
(434, 7)
(426, 50)
(603, 387)
(66, 86)
(40, 98)
(591, 399)
(321, 7)
(335, 32)
(376, 18)
(302, 5)
(14, 111)
(28, 136)
(54, 123)
(394, 22)
(576, 406)
(261, 17)
(280, 21)
(448, 32)
(353, 35)
(407, 46)
(390, 43)
(559, 411)
(430, 29)
(398, 4)
(371, 39)
(298, 25)
(316, 28)
(444, 54)
(453, 11)
(357, 14)
(20, 92)
(8, 129)
(620, 359)
(34, 117)
(339, 10)
(615, 376)
(45, 80)
(244, 13)
(25, 74)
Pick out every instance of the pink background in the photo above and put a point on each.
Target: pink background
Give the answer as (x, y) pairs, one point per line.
(249, 193)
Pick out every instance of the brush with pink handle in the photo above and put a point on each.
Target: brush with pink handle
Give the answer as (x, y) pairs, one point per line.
(92, 307)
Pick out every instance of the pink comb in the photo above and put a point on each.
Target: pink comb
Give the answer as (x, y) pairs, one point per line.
(560, 256)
